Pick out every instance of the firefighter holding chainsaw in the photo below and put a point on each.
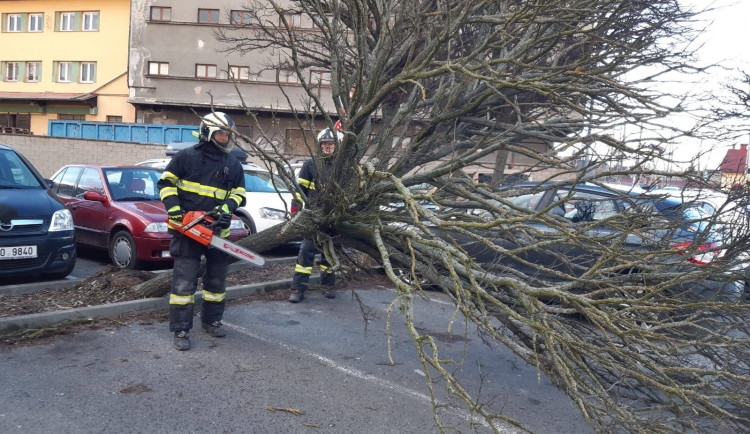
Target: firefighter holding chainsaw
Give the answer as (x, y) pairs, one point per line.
(207, 178)
(307, 179)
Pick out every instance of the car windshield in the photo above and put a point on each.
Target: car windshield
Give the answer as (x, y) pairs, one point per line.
(263, 182)
(14, 174)
(133, 184)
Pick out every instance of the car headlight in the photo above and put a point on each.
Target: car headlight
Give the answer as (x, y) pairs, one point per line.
(236, 224)
(156, 227)
(272, 214)
(62, 220)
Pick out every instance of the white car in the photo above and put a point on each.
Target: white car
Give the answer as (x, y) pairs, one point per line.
(268, 198)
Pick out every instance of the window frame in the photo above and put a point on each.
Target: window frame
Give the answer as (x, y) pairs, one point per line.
(37, 69)
(162, 10)
(71, 22)
(243, 14)
(114, 119)
(239, 69)
(288, 74)
(40, 22)
(17, 19)
(86, 14)
(206, 68)
(209, 13)
(91, 66)
(69, 71)
(159, 66)
(15, 69)
(294, 20)
(320, 77)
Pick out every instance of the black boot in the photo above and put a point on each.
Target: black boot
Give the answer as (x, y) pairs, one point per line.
(215, 329)
(181, 341)
(296, 296)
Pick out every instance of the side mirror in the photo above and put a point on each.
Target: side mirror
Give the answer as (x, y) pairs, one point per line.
(48, 182)
(95, 195)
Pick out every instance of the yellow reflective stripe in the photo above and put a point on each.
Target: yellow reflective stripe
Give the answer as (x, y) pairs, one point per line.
(174, 208)
(298, 196)
(303, 182)
(200, 189)
(303, 270)
(167, 191)
(217, 297)
(237, 195)
(181, 299)
(312, 186)
(169, 176)
(224, 233)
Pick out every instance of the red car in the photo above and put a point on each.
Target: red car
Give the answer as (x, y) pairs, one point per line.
(118, 208)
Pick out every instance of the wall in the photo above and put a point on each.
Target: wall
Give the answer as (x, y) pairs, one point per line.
(48, 154)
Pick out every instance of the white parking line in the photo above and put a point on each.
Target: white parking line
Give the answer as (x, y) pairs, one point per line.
(364, 376)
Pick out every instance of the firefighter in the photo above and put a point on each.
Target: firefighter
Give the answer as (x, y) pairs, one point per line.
(306, 180)
(204, 177)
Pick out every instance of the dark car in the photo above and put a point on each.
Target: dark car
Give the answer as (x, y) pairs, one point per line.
(642, 229)
(118, 208)
(36, 231)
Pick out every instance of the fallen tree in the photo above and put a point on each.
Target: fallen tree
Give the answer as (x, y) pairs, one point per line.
(629, 333)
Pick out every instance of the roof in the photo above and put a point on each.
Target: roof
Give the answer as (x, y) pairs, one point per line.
(46, 96)
(735, 161)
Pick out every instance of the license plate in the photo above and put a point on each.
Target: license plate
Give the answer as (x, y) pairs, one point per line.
(17, 252)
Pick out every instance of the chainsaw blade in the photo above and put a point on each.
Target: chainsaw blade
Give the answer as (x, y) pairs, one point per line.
(237, 251)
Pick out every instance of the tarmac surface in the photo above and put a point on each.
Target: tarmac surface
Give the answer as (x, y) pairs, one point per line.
(317, 366)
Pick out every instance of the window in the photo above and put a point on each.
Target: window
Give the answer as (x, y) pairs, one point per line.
(32, 71)
(161, 14)
(14, 23)
(114, 119)
(90, 21)
(205, 71)
(90, 181)
(292, 20)
(36, 22)
(11, 71)
(64, 70)
(288, 76)
(69, 117)
(67, 20)
(88, 72)
(239, 18)
(208, 16)
(320, 77)
(158, 68)
(240, 73)
(68, 181)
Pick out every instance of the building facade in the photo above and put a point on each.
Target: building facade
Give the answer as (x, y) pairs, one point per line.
(63, 60)
(178, 70)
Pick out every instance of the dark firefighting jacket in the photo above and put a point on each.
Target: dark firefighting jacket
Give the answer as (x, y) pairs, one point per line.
(307, 178)
(200, 178)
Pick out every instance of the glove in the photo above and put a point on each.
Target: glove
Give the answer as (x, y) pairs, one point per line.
(294, 210)
(223, 216)
(174, 215)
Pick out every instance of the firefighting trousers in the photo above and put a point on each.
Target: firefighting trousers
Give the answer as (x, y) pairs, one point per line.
(187, 259)
(303, 269)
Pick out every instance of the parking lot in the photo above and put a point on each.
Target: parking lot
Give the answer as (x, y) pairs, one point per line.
(316, 365)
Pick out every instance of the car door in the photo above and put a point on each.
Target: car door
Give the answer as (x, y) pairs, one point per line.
(90, 216)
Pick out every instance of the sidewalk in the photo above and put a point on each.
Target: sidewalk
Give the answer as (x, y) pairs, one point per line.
(45, 319)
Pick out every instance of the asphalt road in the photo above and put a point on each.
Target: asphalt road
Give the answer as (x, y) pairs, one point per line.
(320, 357)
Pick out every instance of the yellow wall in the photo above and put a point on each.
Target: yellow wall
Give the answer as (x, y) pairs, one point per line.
(108, 47)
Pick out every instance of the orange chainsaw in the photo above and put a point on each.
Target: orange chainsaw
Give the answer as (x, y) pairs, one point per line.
(200, 226)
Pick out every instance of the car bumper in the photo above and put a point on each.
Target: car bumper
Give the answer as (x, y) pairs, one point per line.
(56, 253)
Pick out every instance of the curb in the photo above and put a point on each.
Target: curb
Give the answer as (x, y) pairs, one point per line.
(46, 319)
(13, 324)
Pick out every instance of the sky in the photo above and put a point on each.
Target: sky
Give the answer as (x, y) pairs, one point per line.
(725, 42)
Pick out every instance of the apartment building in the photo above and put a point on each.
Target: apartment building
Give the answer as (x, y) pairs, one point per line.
(63, 60)
(178, 70)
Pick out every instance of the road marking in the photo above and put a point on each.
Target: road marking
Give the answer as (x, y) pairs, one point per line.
(364, 376)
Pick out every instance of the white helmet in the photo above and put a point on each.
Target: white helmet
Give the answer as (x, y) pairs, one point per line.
(214, 122)
(326, 135)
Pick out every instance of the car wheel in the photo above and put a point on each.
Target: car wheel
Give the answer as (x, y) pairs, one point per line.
(122, 250)
(248, 222)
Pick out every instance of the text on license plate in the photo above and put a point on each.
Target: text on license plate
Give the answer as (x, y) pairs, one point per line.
(17, 252)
